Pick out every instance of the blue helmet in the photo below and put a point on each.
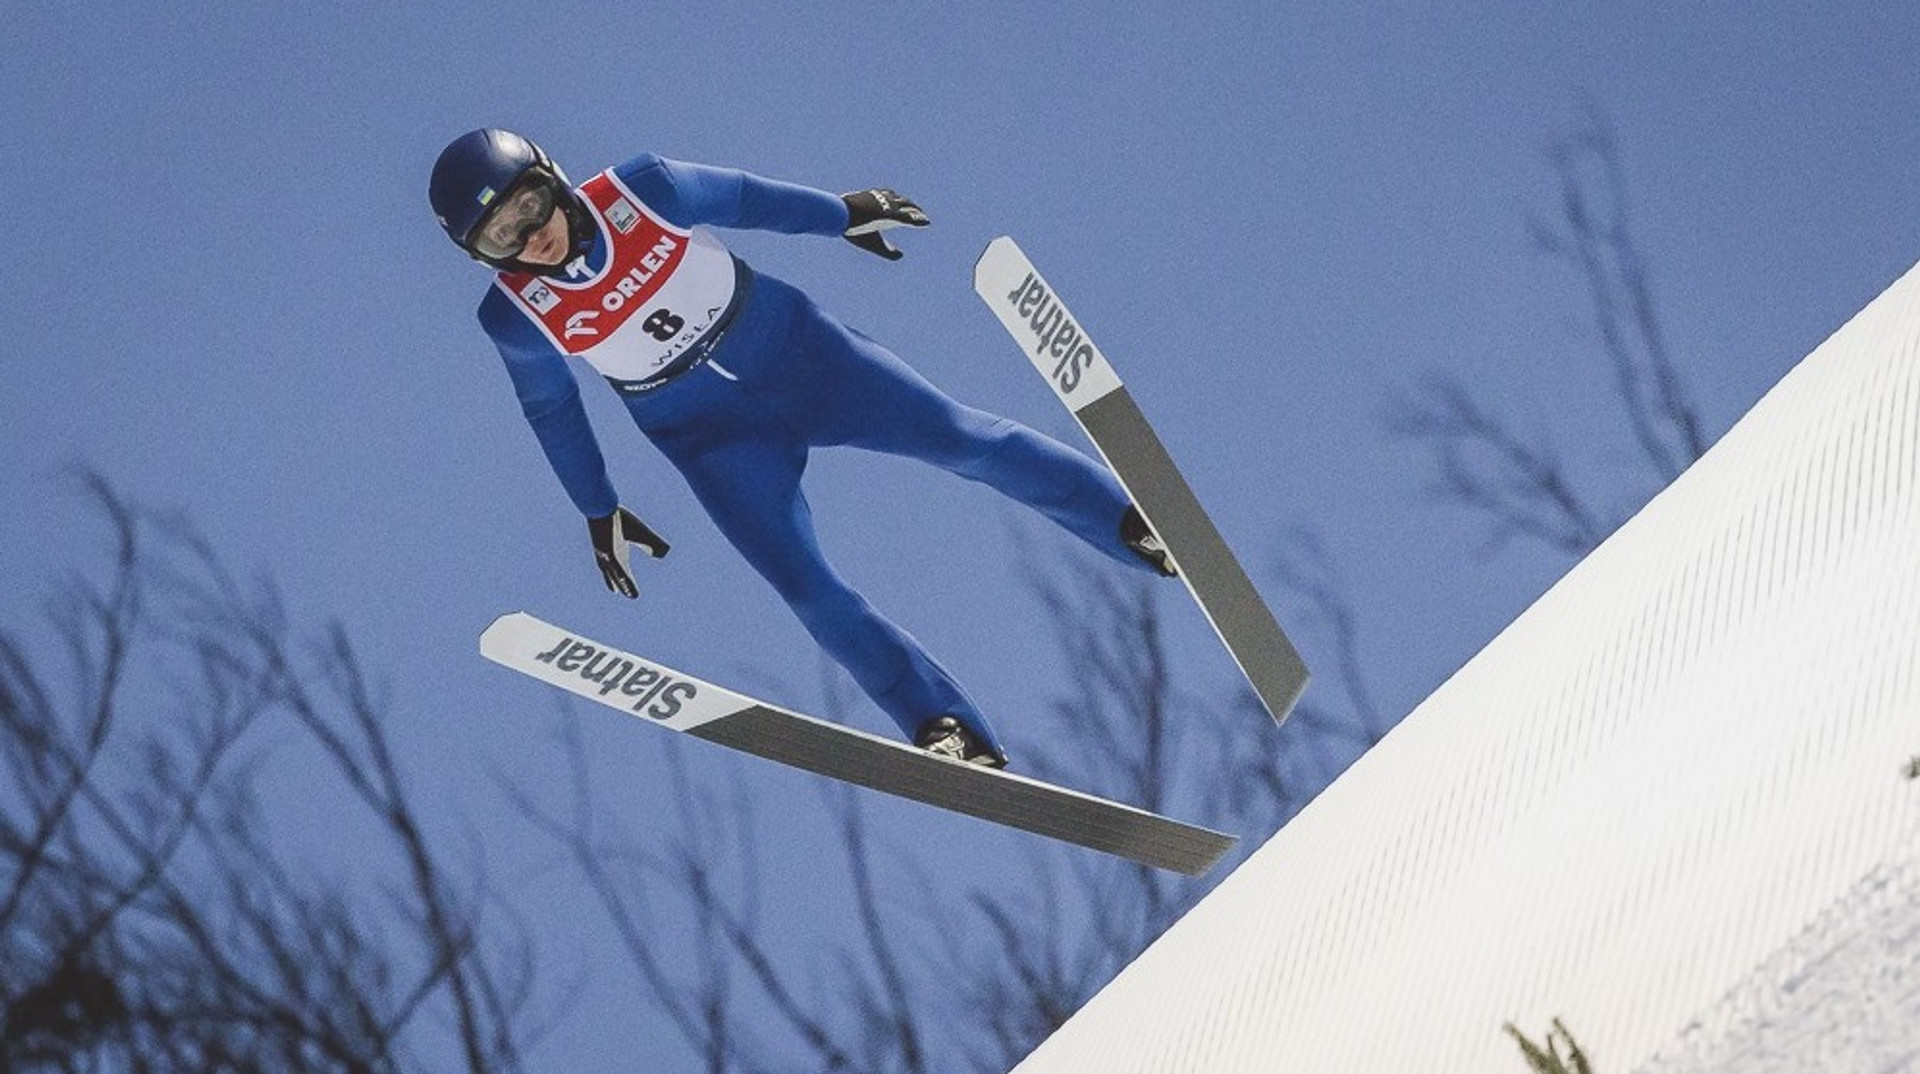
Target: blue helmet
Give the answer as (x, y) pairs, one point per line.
(480, 170)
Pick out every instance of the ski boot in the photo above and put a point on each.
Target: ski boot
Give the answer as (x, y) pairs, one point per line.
(948, 737)
(1137, 535)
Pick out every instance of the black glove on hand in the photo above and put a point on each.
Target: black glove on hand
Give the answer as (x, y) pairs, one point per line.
(869, 212)
(611, 534)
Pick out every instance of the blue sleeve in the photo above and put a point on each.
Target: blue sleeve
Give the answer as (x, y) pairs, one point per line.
(550, 399)
(689, 194)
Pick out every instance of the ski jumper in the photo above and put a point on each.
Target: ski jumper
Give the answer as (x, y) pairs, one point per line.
(735, 376)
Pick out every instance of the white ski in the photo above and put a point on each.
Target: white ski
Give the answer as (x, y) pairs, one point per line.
(680, 702)
(1084, 380)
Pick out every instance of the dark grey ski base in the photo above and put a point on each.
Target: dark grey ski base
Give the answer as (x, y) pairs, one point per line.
(1211, 570)
(656, 694)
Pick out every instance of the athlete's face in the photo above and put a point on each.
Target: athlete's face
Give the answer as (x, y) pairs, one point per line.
(548, 246)
(528, 223)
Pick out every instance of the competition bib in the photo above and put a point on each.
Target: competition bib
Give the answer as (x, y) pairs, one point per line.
(660, 293)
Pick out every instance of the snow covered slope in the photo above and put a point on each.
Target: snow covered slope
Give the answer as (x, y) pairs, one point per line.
(1843, 996)
(1622, 813)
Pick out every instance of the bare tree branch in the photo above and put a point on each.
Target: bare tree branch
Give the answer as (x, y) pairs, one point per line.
(1595, 236)
(148, 921)
(1516, 480)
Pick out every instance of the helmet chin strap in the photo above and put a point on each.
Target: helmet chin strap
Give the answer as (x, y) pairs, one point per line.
(581, 230)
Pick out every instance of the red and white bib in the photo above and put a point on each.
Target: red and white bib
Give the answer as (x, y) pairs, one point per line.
(661, 292)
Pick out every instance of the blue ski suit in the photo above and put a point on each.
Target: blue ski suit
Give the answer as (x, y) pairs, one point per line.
(736, 376)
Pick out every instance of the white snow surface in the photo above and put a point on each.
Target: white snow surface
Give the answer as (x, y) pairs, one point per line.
(1844, 996)
(1667, 806)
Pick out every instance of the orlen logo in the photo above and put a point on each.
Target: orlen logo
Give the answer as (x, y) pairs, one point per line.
(654, 693)
(1059, 338)
(577, 324)
(634, 283)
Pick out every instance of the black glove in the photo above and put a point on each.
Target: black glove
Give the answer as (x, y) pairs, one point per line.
(869, 212)
(611, 534)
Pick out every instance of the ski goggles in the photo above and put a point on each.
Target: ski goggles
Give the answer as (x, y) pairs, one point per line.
(510, 223)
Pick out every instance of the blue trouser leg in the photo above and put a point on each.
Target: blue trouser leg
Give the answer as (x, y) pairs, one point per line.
(751, 488)
(859, 393)
(789, 378)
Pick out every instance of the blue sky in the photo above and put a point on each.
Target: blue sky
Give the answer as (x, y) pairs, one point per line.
(1275, 218)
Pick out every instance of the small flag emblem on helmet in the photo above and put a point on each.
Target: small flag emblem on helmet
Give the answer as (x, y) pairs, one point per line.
(486, 194)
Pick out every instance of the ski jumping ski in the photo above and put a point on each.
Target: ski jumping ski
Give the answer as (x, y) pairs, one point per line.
(679, 702)
(1083, 379)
